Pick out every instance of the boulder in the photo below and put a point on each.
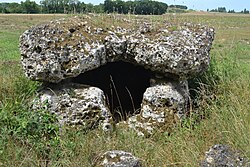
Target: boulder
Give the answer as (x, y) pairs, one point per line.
(117, 158)
(221, 155)
(163, 107)
(75, 104)
(68, 47)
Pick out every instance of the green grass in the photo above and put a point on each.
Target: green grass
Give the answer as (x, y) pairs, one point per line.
(11, 27)
(8, 50)
(221, 113)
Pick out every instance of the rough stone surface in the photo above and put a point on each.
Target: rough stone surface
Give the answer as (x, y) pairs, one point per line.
(117, 158)
(223, 156)
(163, 106)
(68, 47)
(75, 104)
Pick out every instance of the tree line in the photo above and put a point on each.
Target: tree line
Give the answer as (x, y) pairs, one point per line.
(50, 6)
(224, 10)
(24, 7)
(144, 7)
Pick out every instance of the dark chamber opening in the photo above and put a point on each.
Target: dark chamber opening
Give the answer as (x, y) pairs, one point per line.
(123, 84)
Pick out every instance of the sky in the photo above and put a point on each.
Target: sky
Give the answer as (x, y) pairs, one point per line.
(237, 5)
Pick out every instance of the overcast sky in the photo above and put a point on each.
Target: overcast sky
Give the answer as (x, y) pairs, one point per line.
(237, 5)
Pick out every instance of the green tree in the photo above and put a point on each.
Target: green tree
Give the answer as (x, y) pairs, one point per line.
(108, 6)
(10, 8)
(14, 8)
(214, 10)
(59, 6)
(99, 8)
(30, 7)
(222, 9)
(179, 7)
(245, 11)
(89, 8)
(144, 7)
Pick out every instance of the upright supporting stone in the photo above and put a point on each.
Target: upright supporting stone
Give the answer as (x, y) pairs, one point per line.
(75, 104)
(163, 106)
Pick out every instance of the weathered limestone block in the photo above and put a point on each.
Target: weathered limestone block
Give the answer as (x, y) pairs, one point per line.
(68, 47)
(163, 107)
(221, 155)
(117, 158)
(182, 53)
(75, 104)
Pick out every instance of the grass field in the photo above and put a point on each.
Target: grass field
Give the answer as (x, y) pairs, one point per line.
(221, 113)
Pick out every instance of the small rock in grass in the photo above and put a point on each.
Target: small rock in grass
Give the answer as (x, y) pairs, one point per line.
(117, 158)
(223, 156)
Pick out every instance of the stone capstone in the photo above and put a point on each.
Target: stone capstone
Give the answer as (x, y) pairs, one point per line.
(163, 107)
(68, 47)
(75, 104)
(221, 155)
(117, 158)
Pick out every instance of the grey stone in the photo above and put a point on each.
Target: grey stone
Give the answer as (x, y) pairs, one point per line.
(117, 158)
(223, 156)
(163, 107)
(75, 104)
(68, 47)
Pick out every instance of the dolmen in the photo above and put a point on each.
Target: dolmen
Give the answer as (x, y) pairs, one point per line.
(100, 70)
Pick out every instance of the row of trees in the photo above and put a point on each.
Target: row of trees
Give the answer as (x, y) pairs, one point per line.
(69, 6)
(75, 6)
(51, 6)
(24, 7)
(144, 7)
(179, 7)
(245, 11)
(224, 10)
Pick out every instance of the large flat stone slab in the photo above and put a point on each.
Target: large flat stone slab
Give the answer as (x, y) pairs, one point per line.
(65, 48)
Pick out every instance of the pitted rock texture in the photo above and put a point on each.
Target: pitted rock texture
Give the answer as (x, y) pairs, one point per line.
(75, 104)
(221, 155)
(68, 47)
(117, 158)
(163, 107)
